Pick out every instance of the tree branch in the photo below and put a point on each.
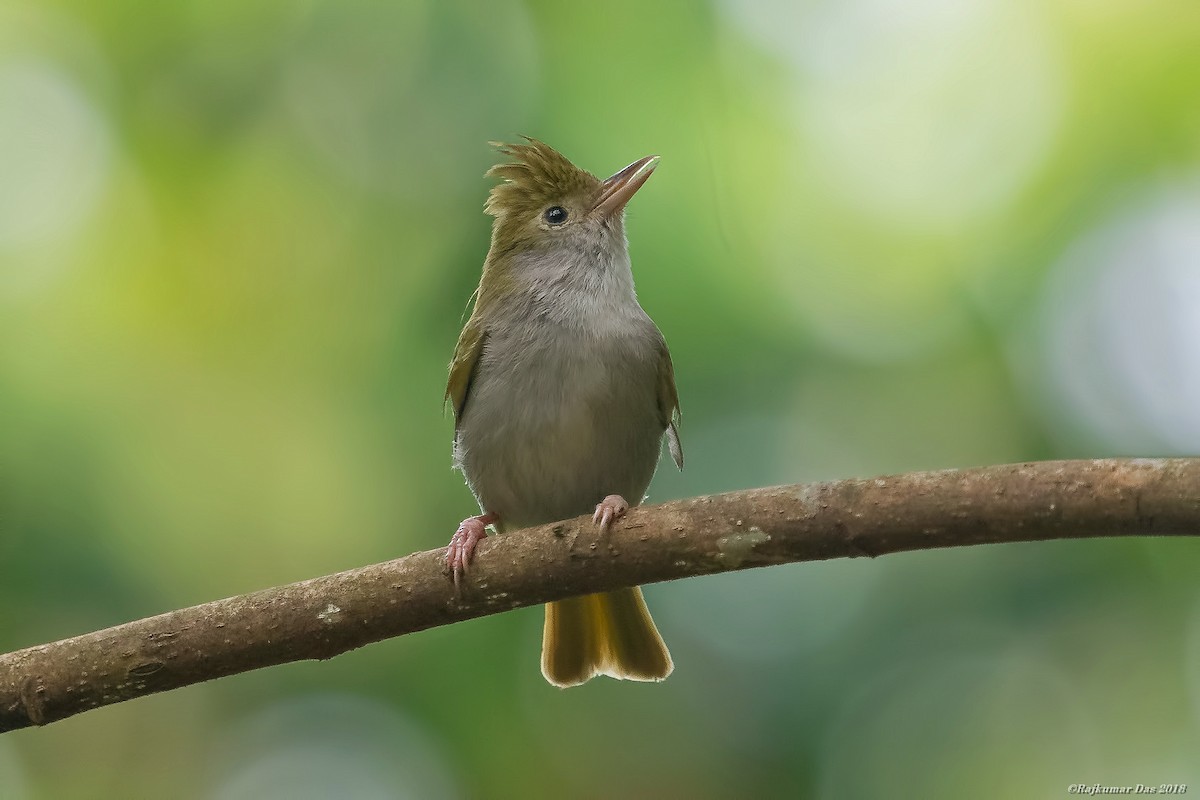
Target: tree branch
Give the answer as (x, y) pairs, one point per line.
(322, 617)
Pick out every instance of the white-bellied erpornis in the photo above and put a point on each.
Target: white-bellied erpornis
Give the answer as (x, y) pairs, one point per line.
(563, 389)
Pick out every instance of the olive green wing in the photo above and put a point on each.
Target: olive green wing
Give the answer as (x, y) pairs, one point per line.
(668, 404)
(462, 367)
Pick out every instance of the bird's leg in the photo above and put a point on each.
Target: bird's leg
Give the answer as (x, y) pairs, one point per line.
(608, 510)
(461, 549)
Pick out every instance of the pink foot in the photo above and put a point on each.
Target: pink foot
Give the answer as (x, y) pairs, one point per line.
(609, 509)
(461, 549)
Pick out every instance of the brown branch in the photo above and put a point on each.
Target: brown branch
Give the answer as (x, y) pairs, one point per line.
(323, 617)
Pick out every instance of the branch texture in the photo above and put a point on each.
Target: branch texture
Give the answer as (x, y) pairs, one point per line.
(322, 617)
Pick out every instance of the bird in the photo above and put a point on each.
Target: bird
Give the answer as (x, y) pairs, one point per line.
(563, 391)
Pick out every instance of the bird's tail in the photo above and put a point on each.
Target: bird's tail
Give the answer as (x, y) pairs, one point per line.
(602, 634)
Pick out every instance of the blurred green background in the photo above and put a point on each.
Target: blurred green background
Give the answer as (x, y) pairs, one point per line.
(236, 244)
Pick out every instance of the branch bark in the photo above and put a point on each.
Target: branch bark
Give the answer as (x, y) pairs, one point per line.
(322, 617)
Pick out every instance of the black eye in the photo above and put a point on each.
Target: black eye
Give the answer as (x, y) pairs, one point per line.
(556, 215)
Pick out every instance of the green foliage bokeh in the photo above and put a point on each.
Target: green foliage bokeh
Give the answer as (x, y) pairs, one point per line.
(236, 244)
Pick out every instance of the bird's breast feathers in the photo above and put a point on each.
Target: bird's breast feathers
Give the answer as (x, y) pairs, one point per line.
(558, 418)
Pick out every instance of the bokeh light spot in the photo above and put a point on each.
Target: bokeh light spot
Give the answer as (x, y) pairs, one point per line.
(930, 114)
(54, 154)
(1121, 319)
(324, 746)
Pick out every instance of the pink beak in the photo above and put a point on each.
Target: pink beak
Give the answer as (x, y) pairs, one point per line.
(616, 191)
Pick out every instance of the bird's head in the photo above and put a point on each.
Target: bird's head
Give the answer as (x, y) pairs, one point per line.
(549, 210)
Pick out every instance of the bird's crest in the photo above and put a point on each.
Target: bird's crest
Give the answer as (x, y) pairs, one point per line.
(538, 174)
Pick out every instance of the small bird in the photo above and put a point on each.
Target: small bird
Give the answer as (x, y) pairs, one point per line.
(562, 389)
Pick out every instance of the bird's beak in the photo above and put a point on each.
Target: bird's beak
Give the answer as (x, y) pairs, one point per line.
(616, 191)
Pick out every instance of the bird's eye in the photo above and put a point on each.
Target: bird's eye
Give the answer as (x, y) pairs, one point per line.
(556, 215)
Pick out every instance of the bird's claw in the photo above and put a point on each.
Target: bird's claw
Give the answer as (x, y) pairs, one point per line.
(609, 510)
(461, 549)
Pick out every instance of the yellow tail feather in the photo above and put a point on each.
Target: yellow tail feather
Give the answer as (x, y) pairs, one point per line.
(602, 634)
